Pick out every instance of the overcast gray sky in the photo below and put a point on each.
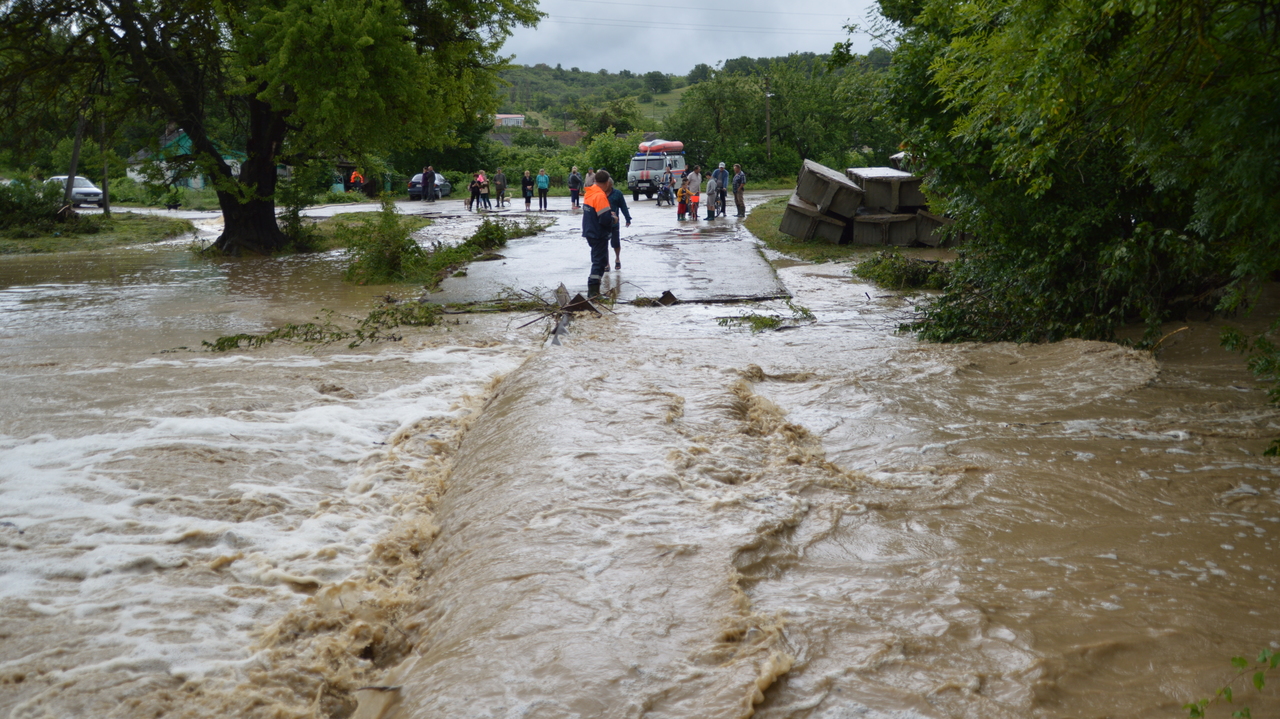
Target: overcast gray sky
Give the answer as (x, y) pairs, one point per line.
(674, 35)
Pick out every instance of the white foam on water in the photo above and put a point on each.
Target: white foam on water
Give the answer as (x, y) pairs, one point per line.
(161, 533)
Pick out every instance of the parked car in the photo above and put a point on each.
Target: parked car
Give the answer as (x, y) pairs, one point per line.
(415, 186)
(83, 191)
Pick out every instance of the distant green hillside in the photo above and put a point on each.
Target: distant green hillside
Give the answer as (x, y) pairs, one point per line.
(552, 97)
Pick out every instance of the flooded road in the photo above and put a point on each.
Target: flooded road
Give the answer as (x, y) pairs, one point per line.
(665, 517)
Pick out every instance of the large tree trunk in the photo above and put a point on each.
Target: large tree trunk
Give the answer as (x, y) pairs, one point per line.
(250, 224)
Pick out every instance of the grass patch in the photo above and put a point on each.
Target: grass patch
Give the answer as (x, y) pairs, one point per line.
(93, 232)
(777, 183)
(763, 222)
(890, 269)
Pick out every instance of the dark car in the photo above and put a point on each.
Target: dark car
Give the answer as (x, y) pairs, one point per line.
(443, 187)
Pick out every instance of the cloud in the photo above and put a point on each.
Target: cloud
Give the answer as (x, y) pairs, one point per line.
(668, 36)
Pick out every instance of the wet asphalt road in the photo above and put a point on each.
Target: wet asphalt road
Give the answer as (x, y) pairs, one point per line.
(694, 260)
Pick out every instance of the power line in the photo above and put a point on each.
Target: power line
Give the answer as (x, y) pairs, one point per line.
(714, 9)
(684, 26)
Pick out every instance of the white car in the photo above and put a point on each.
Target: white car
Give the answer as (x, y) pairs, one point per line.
(82, 192)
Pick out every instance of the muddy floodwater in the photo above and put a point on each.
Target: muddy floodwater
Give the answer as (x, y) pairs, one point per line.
(666, 516)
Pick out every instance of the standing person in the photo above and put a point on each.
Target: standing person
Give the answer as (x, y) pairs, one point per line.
(682, 199)
(589, 179)
(722, 189)
(484, 190)
(597, 226)
(618, 202)
(695, 187)
(428, 184)
(473, 198)
(526, 189)
(544, 184)
(575, 184)
(739, 182)
(500, 185)
(711, 193)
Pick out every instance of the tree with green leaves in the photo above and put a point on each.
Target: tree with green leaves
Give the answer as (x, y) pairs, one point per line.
(725, 117)
(657, 82)
(294, 79)
(1111, 161)
(621, 114)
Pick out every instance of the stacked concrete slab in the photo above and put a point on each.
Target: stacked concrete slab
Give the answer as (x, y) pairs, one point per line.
(865, 206)
(822, 206)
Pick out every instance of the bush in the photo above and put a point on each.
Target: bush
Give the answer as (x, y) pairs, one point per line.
(890, 269)
(29, 203)
(382, 248)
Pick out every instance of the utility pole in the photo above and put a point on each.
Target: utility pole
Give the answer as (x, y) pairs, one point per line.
(75, 157)
(106, 192)
(768, 132)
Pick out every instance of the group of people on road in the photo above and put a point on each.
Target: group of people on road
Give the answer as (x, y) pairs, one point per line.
(428, 185)
(542, 183)
(604, 206)
(479, 190)
(688, 196)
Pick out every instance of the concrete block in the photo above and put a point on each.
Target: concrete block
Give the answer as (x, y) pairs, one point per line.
(803, 220)
(887, 189)
(898, 230)
(832, 193)
(931, 228)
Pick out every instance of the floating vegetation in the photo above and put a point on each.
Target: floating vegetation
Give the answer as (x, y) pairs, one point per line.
(378, 326)
(758, 322)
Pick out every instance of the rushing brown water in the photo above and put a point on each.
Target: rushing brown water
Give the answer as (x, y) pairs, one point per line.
(663, 518)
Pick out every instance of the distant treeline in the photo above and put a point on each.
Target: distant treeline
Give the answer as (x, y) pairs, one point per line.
(561, 93)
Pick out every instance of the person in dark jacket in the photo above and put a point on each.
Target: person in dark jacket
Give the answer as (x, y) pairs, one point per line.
(597, 226)
(428, 184)
(575, 184)
(739, 183)
(618, 202)
(500, 187)
(526, 189)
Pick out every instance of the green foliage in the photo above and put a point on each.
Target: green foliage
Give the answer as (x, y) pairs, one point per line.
(532, 138)
(1111, 163)
(382, 248)
(618, 115)
(1256, 671)
(306, 184)
(657, 82)
(757, 322)
(377, 326)
(29, 203)
(613, 153)
(723, 118)
(275, 82)
(889, 268)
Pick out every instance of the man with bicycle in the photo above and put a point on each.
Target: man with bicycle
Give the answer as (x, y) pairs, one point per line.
(721, 176)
